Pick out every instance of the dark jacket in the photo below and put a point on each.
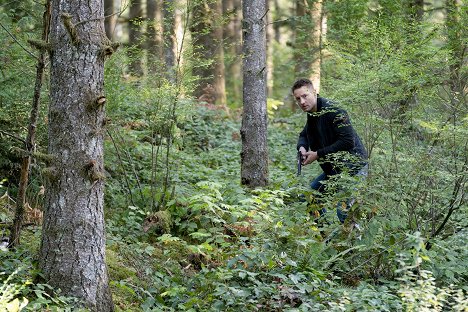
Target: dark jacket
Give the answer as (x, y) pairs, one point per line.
(329, 132)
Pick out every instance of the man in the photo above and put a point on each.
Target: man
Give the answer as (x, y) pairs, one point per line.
(329, 138)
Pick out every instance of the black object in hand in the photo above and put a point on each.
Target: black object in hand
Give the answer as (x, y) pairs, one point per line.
(299, 162)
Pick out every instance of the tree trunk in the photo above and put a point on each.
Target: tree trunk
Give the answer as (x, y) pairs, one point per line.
(307, 47)
(276, 23)
(30, 139)
(154, 40)
(207, 34)
(110, 20)
(316, 12)
(413, 12)
(72, 253)
(233, 48)
(254, 155)
(134, 37)
(270, 35)
(457, 47)
(169, 37)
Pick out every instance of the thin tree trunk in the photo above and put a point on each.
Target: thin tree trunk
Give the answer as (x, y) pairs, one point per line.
(413, 11)
(30, 139)
(254, 155)
(316, 13)
(233, 48)
(219, 70)
(207, 34)
(270, 34)
(307, 47)
(154, 42)
(457, 48)
(110, 20)
(169, 38)
(134, 37)
(72, 253)
(277, 24)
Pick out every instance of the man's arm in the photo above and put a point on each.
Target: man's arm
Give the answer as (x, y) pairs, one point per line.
(343, 130)
(303, 147)
(303, 141)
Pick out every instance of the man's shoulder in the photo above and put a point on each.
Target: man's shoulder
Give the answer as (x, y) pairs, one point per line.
(330, 107)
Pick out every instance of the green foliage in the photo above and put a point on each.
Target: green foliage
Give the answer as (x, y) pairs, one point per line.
(8, 292)
(229, 248)
(184, 235)
(17, 76)
(20, 290)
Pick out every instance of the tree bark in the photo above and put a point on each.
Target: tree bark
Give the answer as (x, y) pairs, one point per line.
(72, 253)
(254, 155)
(15, 231)
(207, 34)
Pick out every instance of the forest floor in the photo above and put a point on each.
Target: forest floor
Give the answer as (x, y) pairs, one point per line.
(218, 246)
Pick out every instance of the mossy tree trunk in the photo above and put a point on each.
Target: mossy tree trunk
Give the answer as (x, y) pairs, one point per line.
(254, 155)
(72, 253)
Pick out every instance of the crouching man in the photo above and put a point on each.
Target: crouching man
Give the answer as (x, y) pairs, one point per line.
(329, 138)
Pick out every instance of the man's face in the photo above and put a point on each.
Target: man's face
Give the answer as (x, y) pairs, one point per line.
(306, 98)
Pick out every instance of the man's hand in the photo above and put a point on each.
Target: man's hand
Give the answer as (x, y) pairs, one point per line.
(310, 157)
(302, 150)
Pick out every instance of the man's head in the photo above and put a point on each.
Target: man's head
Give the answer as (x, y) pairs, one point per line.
(305, 95)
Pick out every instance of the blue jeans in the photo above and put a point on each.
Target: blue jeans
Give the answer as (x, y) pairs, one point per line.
(342, 212)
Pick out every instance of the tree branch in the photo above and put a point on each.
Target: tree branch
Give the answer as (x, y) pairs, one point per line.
(19, 43)
(13, 136)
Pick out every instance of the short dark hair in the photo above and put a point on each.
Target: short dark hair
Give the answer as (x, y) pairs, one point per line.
(301, 83)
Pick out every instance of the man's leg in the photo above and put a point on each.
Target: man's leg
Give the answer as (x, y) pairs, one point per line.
(317, 185)
(343, 207)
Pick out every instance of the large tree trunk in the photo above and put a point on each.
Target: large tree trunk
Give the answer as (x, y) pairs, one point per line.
(254, 155)
(72, 253)
(207, 34)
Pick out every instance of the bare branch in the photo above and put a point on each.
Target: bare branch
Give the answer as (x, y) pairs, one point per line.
(19, 43)
(14, 136)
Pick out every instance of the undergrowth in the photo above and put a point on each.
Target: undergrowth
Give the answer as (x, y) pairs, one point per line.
(226, 248)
